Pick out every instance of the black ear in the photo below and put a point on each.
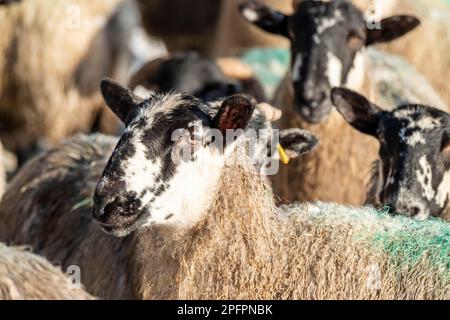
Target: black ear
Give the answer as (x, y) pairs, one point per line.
(296, 142)
(357, 110)
(119, 99)
(391, 29)
(234, 113)
(265, 17)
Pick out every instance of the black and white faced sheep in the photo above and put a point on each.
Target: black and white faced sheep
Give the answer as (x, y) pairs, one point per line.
(412, 176)
(193, 74)
(26, 276)
(329, 45)
(41, 207)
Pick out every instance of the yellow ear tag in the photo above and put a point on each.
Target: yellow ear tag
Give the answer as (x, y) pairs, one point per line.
(283, 156)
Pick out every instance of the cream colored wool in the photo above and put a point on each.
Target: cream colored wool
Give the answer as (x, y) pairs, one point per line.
(242, 247)
(53, 55)
(427, 47)
(25, 276)
(243, 250)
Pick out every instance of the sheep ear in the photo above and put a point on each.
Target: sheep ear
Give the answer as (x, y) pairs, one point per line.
(357, 110)
(391, 29)
(119, 99)
(296, 142)
(234, 113)
(265, 17)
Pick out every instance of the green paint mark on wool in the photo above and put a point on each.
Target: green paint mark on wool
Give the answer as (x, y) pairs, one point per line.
(270, 66)
(416, 240)
(405, 240)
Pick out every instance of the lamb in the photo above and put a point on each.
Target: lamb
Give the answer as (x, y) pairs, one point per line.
(191, 73)
(200, 229)
(412, 176)
(47, 92)
(329, 41)
(25, 276)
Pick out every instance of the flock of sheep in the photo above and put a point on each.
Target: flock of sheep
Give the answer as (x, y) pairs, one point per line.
(100, 201)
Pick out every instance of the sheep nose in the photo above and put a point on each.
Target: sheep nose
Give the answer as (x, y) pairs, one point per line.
(391, 208)
(410, 210)
(314, 96)
(100, 204)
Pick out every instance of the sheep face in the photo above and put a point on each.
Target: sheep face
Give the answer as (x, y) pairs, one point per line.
(186, 72)
(166, 165)
(412, 176)
(327, 44)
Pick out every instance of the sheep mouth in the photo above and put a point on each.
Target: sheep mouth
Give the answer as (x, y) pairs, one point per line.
(119, 230)
(117, 224)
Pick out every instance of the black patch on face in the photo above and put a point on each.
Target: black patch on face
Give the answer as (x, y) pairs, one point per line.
(312, 90)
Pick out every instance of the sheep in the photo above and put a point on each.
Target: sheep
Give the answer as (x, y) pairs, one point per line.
(205, 228)
(25, 276)
(191, 73)
(329, 41)
(79, 163)
(47, 92)
(412, 175)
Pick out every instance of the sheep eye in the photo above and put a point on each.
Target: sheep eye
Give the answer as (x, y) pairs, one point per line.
(355, 41)
(445, 148)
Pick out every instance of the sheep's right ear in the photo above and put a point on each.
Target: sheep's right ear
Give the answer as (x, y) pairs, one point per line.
(234, 113)
(357, 110)
(119, 99)
(297, 142)
(266, 18)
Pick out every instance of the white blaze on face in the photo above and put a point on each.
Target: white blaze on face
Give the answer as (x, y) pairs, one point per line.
(189, 192)
(296, 68)
(415, 138)
(425, 176)
(334, 70)
(443, 191)
(140, 172)
(355, 77)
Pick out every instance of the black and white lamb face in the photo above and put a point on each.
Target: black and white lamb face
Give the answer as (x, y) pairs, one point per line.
(328, 39)
(412, 176)
(165, 167)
